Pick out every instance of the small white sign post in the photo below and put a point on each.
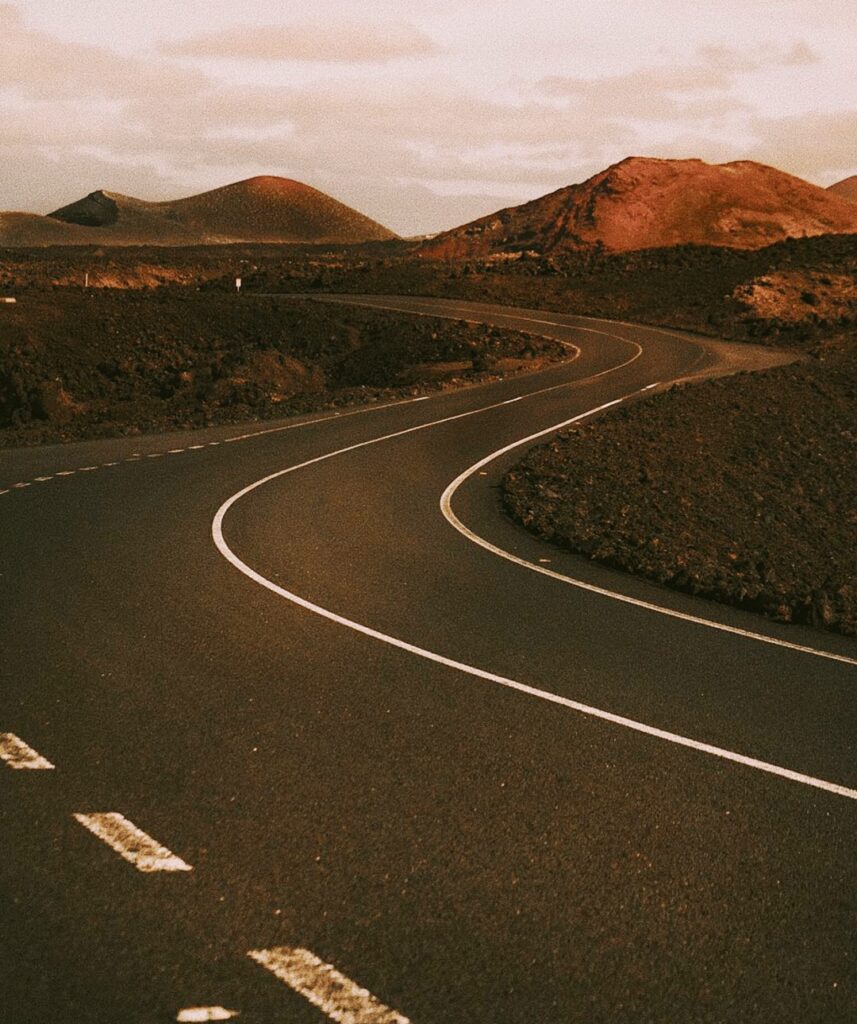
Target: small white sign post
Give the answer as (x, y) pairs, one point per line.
(237, 284)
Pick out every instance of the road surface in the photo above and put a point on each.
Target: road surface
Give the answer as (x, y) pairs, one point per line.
(296, 725)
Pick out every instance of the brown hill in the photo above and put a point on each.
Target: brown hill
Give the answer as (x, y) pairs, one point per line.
(644, 203)
(31, 229)
(262, 209)
(845, 189)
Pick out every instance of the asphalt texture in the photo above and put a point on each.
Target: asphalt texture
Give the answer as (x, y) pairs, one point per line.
(465, 851)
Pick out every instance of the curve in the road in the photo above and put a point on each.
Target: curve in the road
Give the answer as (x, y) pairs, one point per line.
(472, 670)
(456, 523)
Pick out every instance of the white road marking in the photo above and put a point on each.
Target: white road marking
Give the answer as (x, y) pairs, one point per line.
(66, 472)
(450, 516)
(43, 479)
(17, 754)
(20, 486)
(86, 469)
(204, 1013)
(325, 987)
(154, 455)
(132, 843)
(195, 447)
(5, 491)
(107, 465)
(175, 451)
(628, 723)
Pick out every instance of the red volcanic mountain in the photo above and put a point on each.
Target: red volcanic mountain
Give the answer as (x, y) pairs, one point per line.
(644, 203)
(263, 209)
(845, 189)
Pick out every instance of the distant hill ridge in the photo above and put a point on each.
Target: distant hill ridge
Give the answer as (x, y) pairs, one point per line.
(644, 202)
(845, 189)
(260, 209)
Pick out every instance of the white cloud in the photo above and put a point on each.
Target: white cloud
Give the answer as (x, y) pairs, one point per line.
(342, 42)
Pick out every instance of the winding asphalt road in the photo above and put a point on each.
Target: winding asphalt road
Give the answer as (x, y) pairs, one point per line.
(332, 739)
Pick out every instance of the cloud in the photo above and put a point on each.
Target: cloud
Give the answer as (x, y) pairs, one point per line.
(10, 17)
(814, 145)
(40, 66)
(356, 42)
(670, 92)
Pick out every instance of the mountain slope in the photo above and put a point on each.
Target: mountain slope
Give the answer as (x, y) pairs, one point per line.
(845, 189)
(645, 203)
(262, 209)
(26, 229)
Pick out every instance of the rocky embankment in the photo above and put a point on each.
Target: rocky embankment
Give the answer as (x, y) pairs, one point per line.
(741, 489)
(79, 364)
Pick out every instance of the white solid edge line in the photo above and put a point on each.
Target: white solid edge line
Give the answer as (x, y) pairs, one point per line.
(17, 754)
(131, 843)
(230, 556)
(446, 497)
(452, 518)
(707, 748)
(546, 695)
(342, 999)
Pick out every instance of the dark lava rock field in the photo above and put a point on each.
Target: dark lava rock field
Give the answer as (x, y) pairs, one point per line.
(741, 489)
(76, 364)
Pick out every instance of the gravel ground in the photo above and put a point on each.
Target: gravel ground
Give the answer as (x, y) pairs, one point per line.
(742, 489)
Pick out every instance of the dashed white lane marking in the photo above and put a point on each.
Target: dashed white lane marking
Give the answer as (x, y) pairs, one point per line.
(17, 754)
(325, 987)
(66, 472)
(546, 695)
(453, 520)
(204, 1013)
(131, 843)
(42, 479)
(154, 455)
(20, 486)
(87, 469)
(195, 447)
(5, 491)
(175, 451)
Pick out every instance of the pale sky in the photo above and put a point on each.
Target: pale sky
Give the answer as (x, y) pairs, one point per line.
(423, 114)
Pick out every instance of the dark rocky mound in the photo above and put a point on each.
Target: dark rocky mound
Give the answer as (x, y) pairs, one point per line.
(97, 210)
(77, 364)
(741, 489)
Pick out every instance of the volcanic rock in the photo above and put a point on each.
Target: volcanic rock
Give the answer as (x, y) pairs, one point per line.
(643, 203)
(261, 209)
(845, 189)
